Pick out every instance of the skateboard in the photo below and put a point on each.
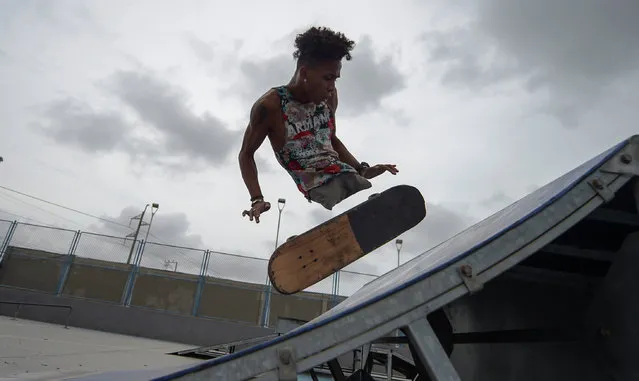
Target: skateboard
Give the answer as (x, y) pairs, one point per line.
(307, 258)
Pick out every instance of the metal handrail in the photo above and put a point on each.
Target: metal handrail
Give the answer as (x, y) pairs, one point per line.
(20, 304)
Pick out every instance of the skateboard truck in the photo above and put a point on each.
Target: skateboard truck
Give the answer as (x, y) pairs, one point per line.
(469, 279)
(286, 369)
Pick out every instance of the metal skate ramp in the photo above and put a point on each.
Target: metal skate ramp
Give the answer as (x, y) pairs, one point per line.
(403, 297)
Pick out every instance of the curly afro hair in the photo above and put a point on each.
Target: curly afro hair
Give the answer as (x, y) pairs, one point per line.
(320, 45)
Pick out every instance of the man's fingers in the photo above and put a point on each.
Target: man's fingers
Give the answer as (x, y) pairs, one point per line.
(254, 213)
(386, 167)
(248, 213)
(392, 168)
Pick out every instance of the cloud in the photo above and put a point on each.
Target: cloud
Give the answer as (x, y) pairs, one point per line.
(165, 107)
(168, 239)
(567, 54)
(162, 129)
(499, 200)
(440, 224)
(368, 79)
(74, 122)
(215, 57)
(365, 81)
(201, 49)
(172, 227)
(319, 215)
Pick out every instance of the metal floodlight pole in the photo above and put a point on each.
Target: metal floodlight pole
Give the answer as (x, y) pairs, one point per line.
(267, 303)
(280, 206)
(137, 230)
(154, 208)
(135, 235)
(398, 243)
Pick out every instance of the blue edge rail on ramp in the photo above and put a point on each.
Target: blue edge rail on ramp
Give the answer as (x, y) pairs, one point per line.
(404, 296)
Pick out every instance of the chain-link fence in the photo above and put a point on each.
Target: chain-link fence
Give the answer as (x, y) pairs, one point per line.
(45, 238)
(236, 267)
(5, 227)
(171, 258)
(103, 247)
(153, 255)
(350, 281)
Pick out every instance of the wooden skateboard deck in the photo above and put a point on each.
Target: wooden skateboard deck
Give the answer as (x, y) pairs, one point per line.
(311, 256)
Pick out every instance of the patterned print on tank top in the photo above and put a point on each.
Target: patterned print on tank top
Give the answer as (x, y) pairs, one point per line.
(308, 155)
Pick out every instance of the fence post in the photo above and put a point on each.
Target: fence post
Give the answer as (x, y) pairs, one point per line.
(335, 291)
(266, 306)
(128, 290)
(7, 239)
(68, 261)
(137, 261)
(200, 283)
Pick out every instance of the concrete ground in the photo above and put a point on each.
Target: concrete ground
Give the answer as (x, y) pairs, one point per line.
(31, 350)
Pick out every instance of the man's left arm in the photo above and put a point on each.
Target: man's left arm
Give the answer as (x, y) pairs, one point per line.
(338, 146)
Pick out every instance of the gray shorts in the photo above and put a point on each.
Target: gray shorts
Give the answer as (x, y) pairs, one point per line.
(338, 189)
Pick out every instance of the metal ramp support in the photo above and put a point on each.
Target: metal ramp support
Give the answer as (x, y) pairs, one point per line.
(404, 297)
(382, 360)
(430, 358)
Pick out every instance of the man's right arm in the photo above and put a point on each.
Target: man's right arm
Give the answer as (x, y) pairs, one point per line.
(256, 131)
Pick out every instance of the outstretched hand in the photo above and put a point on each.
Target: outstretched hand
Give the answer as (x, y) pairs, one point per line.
(378, 169)
(256, 210)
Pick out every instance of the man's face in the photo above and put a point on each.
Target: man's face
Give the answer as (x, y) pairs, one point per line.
(320, 80)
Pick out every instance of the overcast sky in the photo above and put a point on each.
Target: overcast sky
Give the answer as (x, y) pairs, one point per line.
(107, 106)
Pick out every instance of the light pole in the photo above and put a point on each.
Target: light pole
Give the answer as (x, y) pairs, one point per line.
(281, 202)
(267, 300)
(154, 210)
(398, 244)
(137, 230)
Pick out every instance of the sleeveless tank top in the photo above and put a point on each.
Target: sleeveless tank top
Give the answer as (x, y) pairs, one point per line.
(308, 155)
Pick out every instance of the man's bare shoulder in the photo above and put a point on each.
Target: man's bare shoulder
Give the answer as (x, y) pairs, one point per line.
(269, 102)
(263, 112)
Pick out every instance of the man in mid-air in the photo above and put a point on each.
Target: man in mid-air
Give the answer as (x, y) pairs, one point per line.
(299, 120)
